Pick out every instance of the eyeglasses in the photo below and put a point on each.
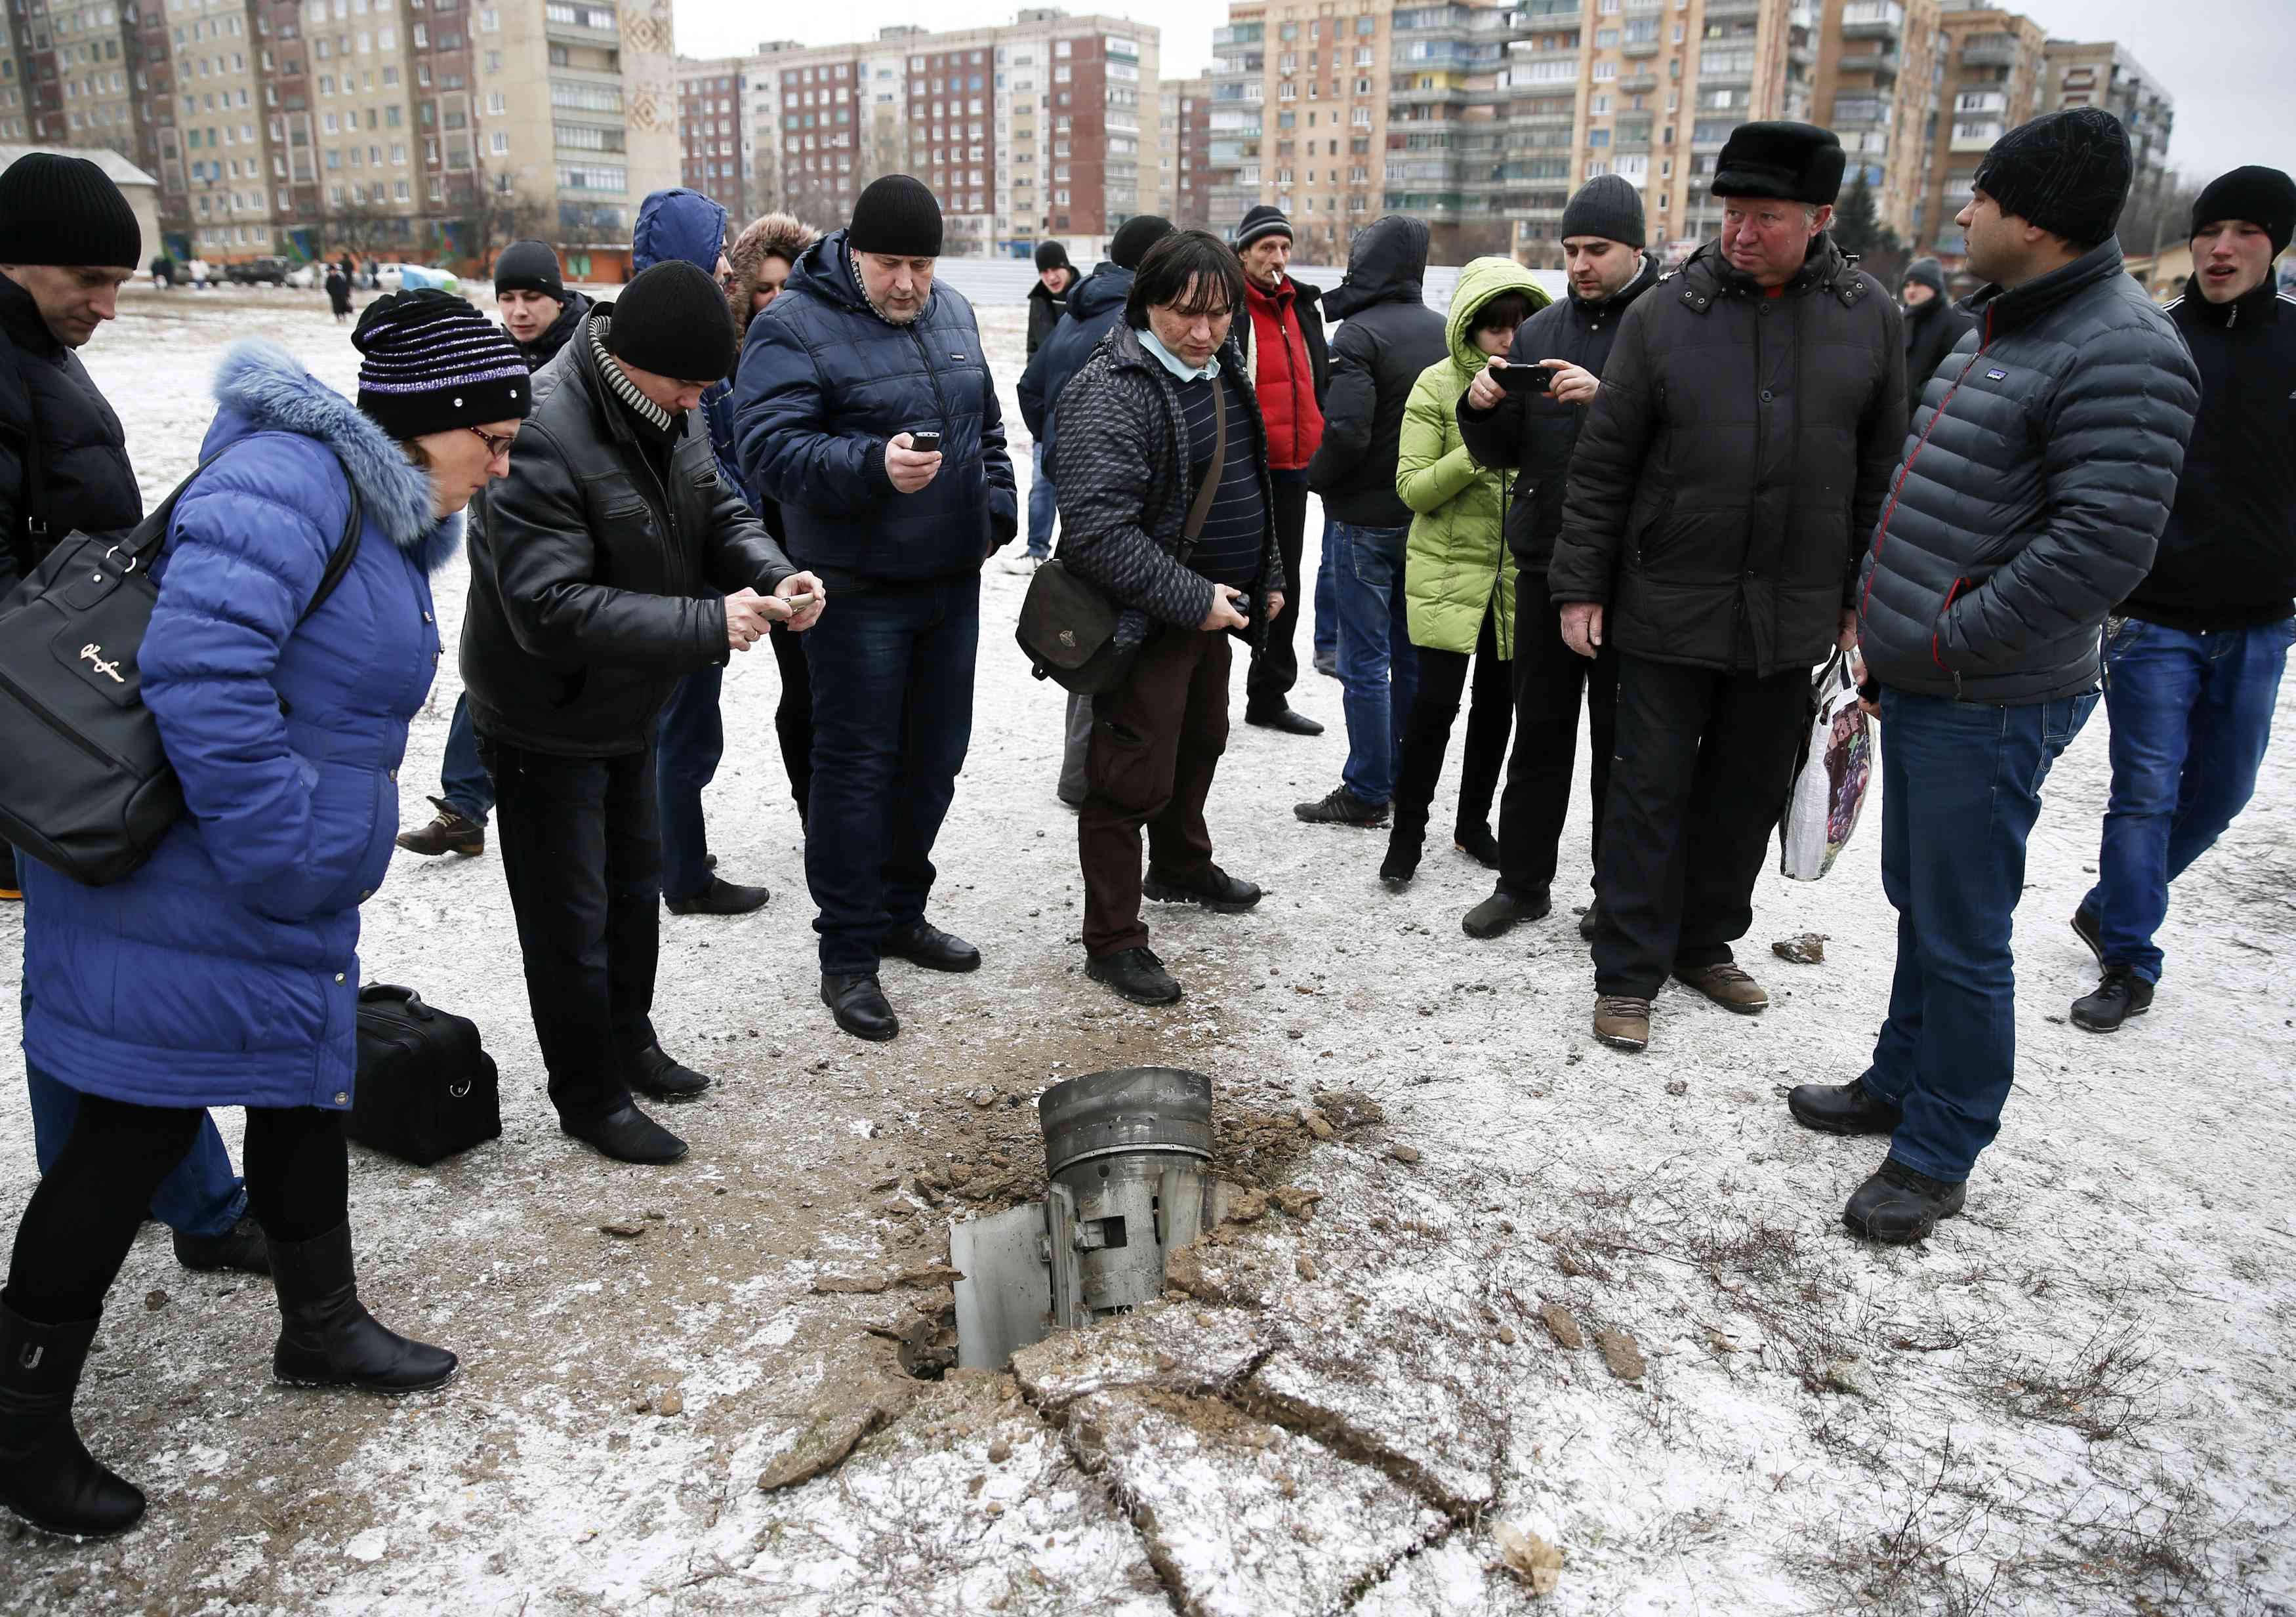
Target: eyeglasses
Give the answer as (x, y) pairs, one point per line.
(497, 443)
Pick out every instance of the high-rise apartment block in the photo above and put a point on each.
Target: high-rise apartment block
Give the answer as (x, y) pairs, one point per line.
(2102, 74)
(1184, 161)
(1991, 83)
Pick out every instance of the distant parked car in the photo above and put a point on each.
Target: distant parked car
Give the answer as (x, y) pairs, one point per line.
(257, 272)
(415, 277)
(307, 275)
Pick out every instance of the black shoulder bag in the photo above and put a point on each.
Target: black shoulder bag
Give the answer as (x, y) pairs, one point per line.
(427, 1088)
(86, 787)
(1068, 627)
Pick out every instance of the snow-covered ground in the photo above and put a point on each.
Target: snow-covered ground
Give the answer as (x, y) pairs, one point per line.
(2074, 1399)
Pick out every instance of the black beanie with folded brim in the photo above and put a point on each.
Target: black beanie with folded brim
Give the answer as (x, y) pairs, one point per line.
(2263, 197)
(65, 210)
(896, 216)
(672, 320)
(529, 266)
(1261, 220)
(1790, 162)
(1134, 237)
(2066, 172)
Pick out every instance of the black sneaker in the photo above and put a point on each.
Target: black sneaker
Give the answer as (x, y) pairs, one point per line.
(2119, 995)
(1898, 1206)
(1850, 1108)
(2090, 930)
(1502, 910)
(1136, 974)
(720, 898)
(241, 1247)
(448, 832)
(1341, 807)
(1216, 890)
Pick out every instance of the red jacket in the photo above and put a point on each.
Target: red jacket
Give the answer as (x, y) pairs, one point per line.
(1284, 376)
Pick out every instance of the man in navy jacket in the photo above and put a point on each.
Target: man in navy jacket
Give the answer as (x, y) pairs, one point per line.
(839, 375)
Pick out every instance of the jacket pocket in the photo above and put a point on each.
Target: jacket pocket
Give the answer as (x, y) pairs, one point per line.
(1937, 629)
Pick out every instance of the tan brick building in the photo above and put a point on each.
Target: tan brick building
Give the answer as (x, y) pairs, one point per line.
(1992, 80)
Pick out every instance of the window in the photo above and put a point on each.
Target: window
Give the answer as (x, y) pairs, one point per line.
(489, 20)
(498, 144)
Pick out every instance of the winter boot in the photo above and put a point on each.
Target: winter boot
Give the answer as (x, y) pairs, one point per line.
(2121, 994)
(1405, 841)
(46, 1476)
(1502, 910)
(328, 1339)
(1215, 889)
(240, 1247)
(1477, 842)
(448, 832)
(1898, 1206)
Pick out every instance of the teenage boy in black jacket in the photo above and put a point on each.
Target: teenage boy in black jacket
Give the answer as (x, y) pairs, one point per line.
(2194, 661)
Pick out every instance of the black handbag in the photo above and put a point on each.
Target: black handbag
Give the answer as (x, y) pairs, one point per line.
(1068, 625)
(86, 787)
(427, 1088)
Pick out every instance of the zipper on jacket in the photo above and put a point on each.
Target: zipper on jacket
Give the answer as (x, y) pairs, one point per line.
(933, 376)
(1881, 528)
(1937, 628)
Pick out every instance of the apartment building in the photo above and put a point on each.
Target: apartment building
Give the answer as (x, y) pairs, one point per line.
(2102, 74)
(1184, 155)
(1880, 64)
(1991, 82)
(716, 141)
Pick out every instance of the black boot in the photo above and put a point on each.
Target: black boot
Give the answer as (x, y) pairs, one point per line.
(1136, 974)
(1215, 889)
(2119, 995)
(1502, 910)
(858, 1003)
(1850, 1108)
(657, 1074)
(46, 1476)
(1405, 839)
(1898, 1206)
(240, 1247)
(328, 1339)
(1477, 842)
(719, 897)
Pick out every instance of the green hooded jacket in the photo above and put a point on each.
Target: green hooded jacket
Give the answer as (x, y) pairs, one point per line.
(1456, 561)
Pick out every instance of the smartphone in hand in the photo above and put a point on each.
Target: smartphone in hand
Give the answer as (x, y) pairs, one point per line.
(1526, 379)
(925, 443)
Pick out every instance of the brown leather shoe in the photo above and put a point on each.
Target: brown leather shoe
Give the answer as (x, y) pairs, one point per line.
(1729, 986)
(447, 833)
(1621, 1021)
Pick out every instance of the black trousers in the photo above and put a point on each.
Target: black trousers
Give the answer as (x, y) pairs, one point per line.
(1427, 732)
(1267, 684)
(793, 717)
(1703, 763)
(582, 856)
(1548, 678)
(82, 1217)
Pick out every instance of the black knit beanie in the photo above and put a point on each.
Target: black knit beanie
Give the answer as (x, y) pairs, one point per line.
(2264, 197)
(1261, 220)
(529, 266)
(895, 215)
(1134, 237)
(1927, 272)
(2067, 173)
(433, 362)
(672, 321)
(1051, 255)
(59, 210)
(1605, 206)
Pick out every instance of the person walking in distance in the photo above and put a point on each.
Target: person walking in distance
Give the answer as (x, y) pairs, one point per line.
(1387, 337)
(68, 242)
(1097, 304)
(2193, 657)
(862, 353)
(1285, 358)
(1738, 450)
(1162, 463)
(2028, 505)
(611, 563)
(1048, 300)
(760, 262)
(1534, 431)
(1934, 326)
(538, 315)
(1456, 580)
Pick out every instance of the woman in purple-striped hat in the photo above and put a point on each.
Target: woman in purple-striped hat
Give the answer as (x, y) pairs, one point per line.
(225, 972)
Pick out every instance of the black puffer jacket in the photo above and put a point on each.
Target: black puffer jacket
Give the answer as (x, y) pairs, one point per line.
(1732, 462)
(1388, 335)
(1932, 332)
(1125, 489)
(1535, 434)
(49, 407)
(2227, 557)
(2031, 499)
(545, 348)
(595, 583)
(1096, 304)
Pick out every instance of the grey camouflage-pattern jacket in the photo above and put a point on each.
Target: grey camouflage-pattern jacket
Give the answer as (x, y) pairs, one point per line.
(1120, 454)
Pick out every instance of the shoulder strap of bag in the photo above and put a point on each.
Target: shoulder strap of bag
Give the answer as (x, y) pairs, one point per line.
(145, 544)
(32, 496)
(1199, 511)
(346, 552)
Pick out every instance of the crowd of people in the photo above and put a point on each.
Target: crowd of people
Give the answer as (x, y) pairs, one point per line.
(1665, 496)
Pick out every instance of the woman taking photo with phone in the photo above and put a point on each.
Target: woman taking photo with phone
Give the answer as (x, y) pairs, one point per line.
(1458, 584)
(225, 971)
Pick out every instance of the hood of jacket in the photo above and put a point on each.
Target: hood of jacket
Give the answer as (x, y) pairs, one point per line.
(1106, 288)
(1387, 263)
(679, 224)
(262, 388)
(1482, 280)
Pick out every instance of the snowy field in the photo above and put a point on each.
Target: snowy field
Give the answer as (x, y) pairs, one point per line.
(1527, 1286)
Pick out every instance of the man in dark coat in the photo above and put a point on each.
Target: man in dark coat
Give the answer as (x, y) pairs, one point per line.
(1048, 300)
(2027, 505)
(1286, 358)
(610, 563)
(2193, 668)
(1093, 308)
(1739, 447)
(68, 242)
(1387, 337)
(862, 352)
(1160, 412)
(1603, 252)
(1933, 325)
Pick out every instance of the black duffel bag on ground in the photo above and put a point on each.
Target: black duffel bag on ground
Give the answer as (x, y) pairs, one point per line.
(86, 787)
(427, 1088)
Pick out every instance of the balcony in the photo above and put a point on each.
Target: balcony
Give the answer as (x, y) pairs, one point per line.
(1436, 97)
(1880, 61)
(1237, 33)
(1639, 48)
(1716, 9)
(1989, 53)
(1873, 20)
(1637, 84)
(1553, 14)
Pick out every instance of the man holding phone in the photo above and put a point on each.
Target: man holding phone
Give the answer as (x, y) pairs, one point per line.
(1525, 412)
(864, 405)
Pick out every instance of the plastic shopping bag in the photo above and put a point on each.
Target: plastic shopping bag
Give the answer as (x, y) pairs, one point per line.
(1829, 785)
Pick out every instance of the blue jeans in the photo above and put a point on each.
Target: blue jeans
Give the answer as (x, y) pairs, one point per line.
(464, 783)
(2191, 715)
(1379, 668)
(892, 717)
(1044, 504)
(1961, 787)
(691, 740)
(1327, 599)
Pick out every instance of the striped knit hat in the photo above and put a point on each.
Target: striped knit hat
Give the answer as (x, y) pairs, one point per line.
(433, 364)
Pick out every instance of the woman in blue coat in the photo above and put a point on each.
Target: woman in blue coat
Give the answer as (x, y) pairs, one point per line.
(225, 972)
